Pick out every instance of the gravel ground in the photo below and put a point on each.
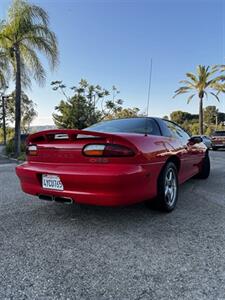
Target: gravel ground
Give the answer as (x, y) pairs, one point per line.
(55, 251)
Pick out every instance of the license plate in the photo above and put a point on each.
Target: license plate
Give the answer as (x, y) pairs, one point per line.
(52, 182)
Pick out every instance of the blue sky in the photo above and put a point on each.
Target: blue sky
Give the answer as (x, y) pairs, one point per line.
(111, 43)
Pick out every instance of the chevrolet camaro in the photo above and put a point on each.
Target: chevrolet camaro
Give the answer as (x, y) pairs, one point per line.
(116, 162)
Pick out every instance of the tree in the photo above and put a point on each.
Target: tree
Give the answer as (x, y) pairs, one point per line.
(202, 84)
(28, 111)
(121, 113)
(211, 115)
(221, 118)
(25, 33)
(75, 112)
(180, 116)
(88, 105)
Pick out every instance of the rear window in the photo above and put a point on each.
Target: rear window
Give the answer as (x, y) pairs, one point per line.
(134, 125)
(219, 133)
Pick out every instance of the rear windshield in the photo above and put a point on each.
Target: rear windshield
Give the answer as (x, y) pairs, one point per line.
(219, 133)
(134, 125)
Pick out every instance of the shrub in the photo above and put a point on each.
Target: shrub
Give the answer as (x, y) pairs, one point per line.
(10, 149)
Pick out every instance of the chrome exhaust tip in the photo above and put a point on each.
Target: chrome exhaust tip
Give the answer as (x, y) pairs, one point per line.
(46, 197)
(64, 200)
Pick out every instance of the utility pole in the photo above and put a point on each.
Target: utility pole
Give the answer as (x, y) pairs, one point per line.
(3, 120)
(216, 115)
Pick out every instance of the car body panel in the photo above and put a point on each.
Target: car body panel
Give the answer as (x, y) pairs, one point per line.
(106, 180)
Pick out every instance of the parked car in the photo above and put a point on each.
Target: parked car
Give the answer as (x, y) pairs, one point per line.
(115, 162)
(218, 139)
(206, 140)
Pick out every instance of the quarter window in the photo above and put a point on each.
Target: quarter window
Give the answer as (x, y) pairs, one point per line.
(172, 130)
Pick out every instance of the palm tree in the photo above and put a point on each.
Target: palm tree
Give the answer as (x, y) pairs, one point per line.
(202, 84)
(25, 33)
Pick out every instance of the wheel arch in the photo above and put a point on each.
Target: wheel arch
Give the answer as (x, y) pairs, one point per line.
(174, 159)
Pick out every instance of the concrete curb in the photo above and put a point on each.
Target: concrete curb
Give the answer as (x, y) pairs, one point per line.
(12, 159)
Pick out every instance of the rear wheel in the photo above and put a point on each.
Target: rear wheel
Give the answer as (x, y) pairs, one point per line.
(205, 169)
(167, 189)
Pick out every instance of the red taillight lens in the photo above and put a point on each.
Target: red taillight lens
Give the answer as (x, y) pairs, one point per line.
(31, 150)
(117, 151)
(108, 150)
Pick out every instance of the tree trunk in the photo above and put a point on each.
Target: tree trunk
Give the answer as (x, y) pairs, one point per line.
(201, 116)
(3, 120)
(18, 102)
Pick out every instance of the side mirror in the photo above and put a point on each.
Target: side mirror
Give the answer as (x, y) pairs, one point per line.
(195, 140)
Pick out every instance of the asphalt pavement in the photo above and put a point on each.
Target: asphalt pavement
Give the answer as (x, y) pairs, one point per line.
(56, 251)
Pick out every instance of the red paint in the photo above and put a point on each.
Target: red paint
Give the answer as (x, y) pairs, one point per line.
(105, 180)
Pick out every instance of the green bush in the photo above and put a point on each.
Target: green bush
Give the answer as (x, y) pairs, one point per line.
(10, 149)
(22, 156)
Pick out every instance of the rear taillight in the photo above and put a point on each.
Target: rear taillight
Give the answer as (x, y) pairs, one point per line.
(107, 150)
(31, 150)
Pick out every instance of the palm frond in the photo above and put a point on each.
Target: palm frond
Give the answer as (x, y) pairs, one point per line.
(214, 95)
(203, 82)
(192, 77)
(27, 27)
(190, 98)
(181, 90)
(33, 64)
(4, 70)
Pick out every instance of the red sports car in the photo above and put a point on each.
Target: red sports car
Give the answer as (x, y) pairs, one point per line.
(116, 162)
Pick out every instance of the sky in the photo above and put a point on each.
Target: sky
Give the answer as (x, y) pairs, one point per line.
(111, 42)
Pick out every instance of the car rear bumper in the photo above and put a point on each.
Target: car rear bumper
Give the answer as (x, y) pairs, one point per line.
(104, 184)
(218, 145)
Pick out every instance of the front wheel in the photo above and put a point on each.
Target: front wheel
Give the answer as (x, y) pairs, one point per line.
(167, 189)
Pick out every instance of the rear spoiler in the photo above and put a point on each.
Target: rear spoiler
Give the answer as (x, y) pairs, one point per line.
(69, 135)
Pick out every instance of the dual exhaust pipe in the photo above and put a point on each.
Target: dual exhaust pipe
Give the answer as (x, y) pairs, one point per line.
(58, 199)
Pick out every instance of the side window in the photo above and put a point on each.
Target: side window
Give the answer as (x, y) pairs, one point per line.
(165, 128)
(172, 130)
(183, 135)
(153, 128)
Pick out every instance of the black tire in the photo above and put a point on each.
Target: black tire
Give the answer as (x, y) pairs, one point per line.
(163, 200)
(214, 148)
(205, 170)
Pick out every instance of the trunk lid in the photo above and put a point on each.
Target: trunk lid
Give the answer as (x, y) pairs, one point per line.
(66, 146)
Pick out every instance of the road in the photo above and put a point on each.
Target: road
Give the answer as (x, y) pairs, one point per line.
(56, 251)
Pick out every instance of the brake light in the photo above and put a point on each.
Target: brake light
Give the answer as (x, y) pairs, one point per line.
(107, 150)
(31, 150)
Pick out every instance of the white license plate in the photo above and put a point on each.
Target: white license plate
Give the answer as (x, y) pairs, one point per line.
(52, 182)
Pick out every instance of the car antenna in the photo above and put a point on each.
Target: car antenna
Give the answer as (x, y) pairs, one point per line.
(148, 99)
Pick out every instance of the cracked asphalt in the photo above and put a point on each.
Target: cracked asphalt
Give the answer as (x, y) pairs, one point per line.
(56, 251)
